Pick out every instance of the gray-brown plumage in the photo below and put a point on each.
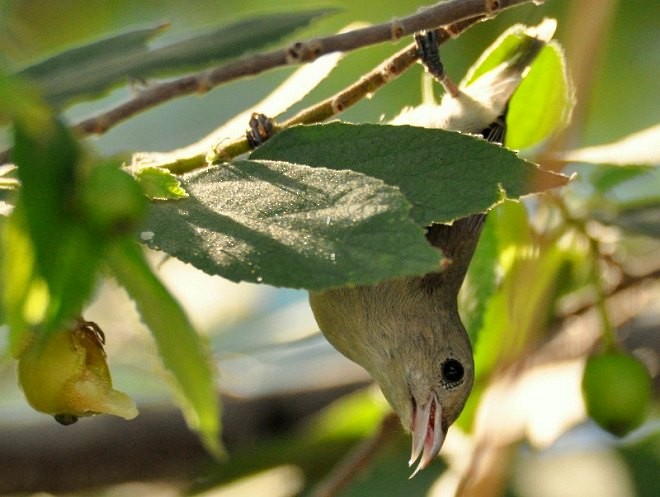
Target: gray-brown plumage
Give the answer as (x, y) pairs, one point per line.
(406, 332)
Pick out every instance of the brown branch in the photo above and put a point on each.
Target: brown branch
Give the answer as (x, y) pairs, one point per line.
(441, 14)
(368, 84)
(448, 13)
(157, 445)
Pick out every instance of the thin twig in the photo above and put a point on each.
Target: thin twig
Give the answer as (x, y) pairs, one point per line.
(357, 461)
(445, 13)
(349, 96)
(441, 14)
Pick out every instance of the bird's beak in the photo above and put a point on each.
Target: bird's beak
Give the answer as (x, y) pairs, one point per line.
(427, 432)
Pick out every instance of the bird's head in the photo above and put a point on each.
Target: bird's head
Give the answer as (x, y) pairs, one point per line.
(408, 335)
(427, 383)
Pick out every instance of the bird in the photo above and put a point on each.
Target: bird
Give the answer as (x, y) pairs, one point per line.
(406, 331)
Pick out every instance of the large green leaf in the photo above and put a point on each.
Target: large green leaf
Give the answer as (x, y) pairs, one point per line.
(95, 67)
(65, 254)
(179, 346)
(543, 102)
(291, 225)
(509, 46)
(444, 174)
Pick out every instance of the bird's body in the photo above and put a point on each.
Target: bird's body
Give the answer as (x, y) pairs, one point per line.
(406, 332)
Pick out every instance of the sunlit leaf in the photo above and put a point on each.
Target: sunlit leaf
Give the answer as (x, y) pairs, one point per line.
(20, 99)
(47, 158)
(518, 310)
(444, 174)
(23, 292)
(160, 184)
(180, 347)
(523, 276)
(291, 225)
(543, 102)
(509, 46)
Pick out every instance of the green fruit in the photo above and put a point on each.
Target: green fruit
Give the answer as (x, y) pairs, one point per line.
(113, 200)
(617, 391)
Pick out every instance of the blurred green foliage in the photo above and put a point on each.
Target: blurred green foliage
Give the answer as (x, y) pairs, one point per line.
(515, 259)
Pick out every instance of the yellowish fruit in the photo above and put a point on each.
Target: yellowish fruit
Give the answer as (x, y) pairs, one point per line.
(65, 374)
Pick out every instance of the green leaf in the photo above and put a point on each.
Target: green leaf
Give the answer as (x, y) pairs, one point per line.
(444, 174)
(524, 275)
(47, 159)
(179, 346)
(530, 271)
(98, 52)
(19, 99)
(113, 201)
(615, 187)
(227, 41)
(543, 102)
(509, 46)
(480, 281)
(160, 184)
(96, 67)
(90, 68)
(22, 292)
(66, 255)
(291, 225)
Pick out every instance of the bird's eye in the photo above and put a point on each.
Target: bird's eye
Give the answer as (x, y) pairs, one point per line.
(65, 419)
(452, 371)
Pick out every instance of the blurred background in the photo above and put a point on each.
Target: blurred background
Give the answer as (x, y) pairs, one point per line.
(293, 406)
